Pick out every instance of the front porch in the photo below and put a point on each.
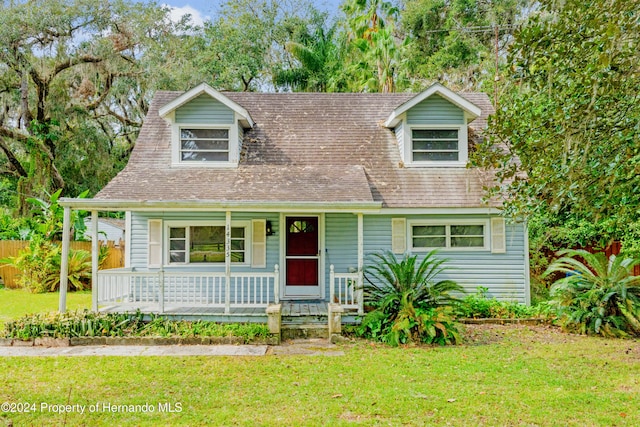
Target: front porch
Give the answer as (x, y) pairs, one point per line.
(236, 297)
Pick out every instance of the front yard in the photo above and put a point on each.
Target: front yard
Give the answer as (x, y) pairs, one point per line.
(501, 375)
(512, 375)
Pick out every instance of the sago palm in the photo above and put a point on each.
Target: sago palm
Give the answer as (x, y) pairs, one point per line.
(408, 297)
(598, 295)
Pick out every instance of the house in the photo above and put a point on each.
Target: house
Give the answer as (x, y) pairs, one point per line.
(235, 201)
(109, 229)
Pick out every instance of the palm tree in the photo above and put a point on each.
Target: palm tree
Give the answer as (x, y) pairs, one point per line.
(598, 295)
(410, 302)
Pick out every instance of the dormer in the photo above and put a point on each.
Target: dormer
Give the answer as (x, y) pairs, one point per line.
(206, 128)
(431, 128)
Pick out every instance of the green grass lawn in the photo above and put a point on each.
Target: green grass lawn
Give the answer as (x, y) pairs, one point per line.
(505, 376)
(15, 303)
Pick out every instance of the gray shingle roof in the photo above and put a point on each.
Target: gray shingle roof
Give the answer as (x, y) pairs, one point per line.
(305, 147)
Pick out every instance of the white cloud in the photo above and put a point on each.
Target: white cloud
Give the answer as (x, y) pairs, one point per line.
(176, 13)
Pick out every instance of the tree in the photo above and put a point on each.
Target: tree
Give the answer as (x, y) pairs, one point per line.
(565, 140)
(375, 51)
(454, 41)
(316, 59)
(71, 89)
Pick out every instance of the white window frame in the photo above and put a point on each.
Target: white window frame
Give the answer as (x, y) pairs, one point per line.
(448, 224)
(176, 158)
(463, 145)
(185, 224)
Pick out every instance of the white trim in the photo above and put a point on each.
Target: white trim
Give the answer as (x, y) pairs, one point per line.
(127, 239)
(437, 211)
(246, 224)
(234, 144)
(471, 110)
(168, 108)
(154, 243)
(448, 223)
(463, 146)
(321, 258)
(258, 243)
(218, 206)
(399, 235)
(498, 235)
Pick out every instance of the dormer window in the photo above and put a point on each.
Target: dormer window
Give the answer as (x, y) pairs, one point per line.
(431, 128)
(429, 145)
(204, 145)
(206, 128)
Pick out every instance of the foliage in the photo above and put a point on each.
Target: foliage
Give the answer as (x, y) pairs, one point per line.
(39, 266)
(316, 56)
(48, 218)
(480, 305)
(410, 303)
(597, 295)
(12, 228)
(74, 87)
(373, 54)
(454, 41)
(570, 117)
(90, 324)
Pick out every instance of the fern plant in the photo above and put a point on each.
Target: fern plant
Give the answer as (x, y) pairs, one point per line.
(410, 303)
(598, 295)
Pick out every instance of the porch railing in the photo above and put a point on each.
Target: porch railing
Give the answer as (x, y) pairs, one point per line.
(346, 289)
(238, 290)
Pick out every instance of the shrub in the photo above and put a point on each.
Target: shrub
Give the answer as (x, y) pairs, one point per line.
(39, 266)
(480, 305)
(410, 305)
(90, 324)
(597, 295)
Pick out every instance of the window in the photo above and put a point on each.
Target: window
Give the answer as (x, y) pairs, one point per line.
(429, 145)
(205, 244)
(452, 236)
(204, 145)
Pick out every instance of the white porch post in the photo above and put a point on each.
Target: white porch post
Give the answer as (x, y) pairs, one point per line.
(95, 254)
(64, 262)
(227, 262)
(276, 284)
(360, 263)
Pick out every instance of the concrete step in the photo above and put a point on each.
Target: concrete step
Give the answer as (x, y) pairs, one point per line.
(305, 320)
(290, 332)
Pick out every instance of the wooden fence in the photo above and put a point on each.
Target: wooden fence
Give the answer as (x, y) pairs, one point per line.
(9, 248)
(614, 249)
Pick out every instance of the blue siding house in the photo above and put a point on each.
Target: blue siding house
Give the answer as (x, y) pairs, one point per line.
(238, 201)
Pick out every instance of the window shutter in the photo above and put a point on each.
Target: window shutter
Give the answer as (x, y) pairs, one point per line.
(398, 235)
(259, 243)
(155, 243)
(498, 236)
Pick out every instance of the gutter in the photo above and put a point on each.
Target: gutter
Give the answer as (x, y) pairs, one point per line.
(221, 206)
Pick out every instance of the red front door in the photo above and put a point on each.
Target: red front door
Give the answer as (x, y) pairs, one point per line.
(302, 256)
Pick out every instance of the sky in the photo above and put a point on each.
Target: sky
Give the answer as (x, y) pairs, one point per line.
(203, 10)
